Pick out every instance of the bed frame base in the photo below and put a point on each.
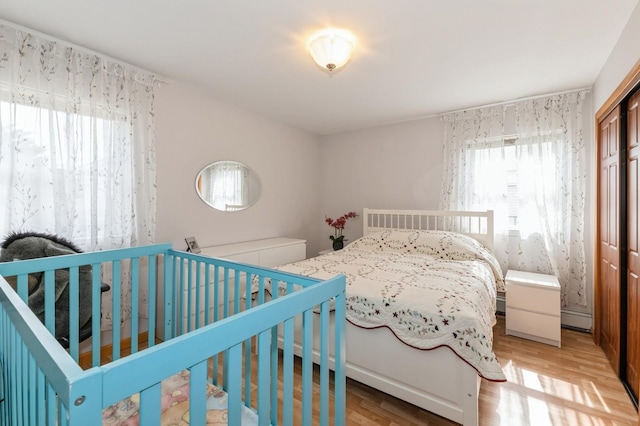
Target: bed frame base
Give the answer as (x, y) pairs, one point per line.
(451, 390)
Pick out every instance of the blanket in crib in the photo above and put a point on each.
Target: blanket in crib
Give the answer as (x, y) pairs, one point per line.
(175, 406)
(430, 288)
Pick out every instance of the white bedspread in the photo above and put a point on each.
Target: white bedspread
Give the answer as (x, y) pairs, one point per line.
(430, 288)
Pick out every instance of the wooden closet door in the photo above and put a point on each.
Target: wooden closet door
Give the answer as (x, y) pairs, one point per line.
(609, 238)
(633, 248)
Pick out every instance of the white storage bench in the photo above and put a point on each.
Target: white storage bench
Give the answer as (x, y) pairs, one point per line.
(533, 306)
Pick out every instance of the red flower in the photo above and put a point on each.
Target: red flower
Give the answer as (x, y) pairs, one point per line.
(339, 223)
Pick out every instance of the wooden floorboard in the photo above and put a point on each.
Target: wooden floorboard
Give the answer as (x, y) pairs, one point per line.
(572, 385)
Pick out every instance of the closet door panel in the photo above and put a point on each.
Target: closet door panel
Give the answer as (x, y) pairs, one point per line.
(633, 272)
(609, 237)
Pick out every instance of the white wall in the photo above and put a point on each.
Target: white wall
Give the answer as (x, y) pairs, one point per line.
(396, 166)
(193, 130)
(623, 57)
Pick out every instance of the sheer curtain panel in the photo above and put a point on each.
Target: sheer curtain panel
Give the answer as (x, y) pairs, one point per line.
(77, 155)
(532, 176)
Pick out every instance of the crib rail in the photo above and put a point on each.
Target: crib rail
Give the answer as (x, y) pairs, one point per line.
(40, 384)
(119, 265)
(209, 312)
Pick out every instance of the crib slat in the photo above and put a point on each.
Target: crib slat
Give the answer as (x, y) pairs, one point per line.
(189, 299)
(199, 265)
(264, 380)
(135, 294)
(151, 306)
(115, 300)
(23, 287)
(150, 405)
(324, 363)
(273, 348)
(216, 293)
(248, 346)
(307, 367)
(51, 405)
(273, 356)
(49, 301)
(32, 391)
(15, 345)
(225, 297)
(95, 319)
(207, 294)
(287, 373)
(180, 300)
(234, 387)
(261, 290)
(26, 367)
(216, 303)
(340, 356)
(197, 393)
(41, 398)
(169, 298)
(236, 291)
(247, 370)
(74, 296)
(62, 415)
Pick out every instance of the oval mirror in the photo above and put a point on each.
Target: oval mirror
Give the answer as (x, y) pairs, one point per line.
(228, 186)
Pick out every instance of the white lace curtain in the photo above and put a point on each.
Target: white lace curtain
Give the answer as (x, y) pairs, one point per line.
(533, 178)
(77, 154)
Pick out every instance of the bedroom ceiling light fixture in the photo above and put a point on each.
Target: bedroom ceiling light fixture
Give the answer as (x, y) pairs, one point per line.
(331, 48)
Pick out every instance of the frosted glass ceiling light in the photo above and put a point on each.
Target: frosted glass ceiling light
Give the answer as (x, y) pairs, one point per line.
(331, 48)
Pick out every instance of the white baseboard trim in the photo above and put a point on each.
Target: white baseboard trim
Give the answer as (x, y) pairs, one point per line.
(570, 319)
(577, 320)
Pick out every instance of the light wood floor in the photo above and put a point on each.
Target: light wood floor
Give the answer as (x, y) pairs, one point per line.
(573, 385)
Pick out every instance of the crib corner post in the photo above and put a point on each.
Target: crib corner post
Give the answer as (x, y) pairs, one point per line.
(85, 399)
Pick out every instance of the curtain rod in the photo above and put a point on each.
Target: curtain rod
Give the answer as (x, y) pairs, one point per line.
(506, 103)
(515, 101)
(83, 49)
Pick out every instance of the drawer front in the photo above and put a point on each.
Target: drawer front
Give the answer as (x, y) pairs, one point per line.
(536, 299)
(547, 327)
(281, 255)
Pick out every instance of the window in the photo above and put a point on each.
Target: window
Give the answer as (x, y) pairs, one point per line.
(49, 154)
(533, 177)
(509, 175)
(59, 181)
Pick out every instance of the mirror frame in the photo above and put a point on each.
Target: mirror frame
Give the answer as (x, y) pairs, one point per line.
(250, 183)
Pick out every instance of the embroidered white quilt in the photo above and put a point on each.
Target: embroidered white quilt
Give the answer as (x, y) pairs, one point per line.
(430, 288)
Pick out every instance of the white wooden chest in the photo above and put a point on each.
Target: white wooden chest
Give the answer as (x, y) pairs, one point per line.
(533, 306)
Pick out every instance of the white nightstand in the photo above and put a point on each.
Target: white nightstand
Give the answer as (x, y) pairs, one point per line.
(533, 306)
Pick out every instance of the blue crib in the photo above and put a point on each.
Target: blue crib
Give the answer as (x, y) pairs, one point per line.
(218, 320)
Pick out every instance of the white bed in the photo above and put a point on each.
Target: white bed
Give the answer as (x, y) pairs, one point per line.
(438, 379)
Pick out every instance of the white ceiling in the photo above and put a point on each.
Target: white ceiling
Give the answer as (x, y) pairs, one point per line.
(414, 58)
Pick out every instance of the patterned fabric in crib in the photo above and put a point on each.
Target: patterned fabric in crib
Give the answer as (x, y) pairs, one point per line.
(174, 406)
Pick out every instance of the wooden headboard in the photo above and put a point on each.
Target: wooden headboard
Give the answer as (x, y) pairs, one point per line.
(476, 224)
